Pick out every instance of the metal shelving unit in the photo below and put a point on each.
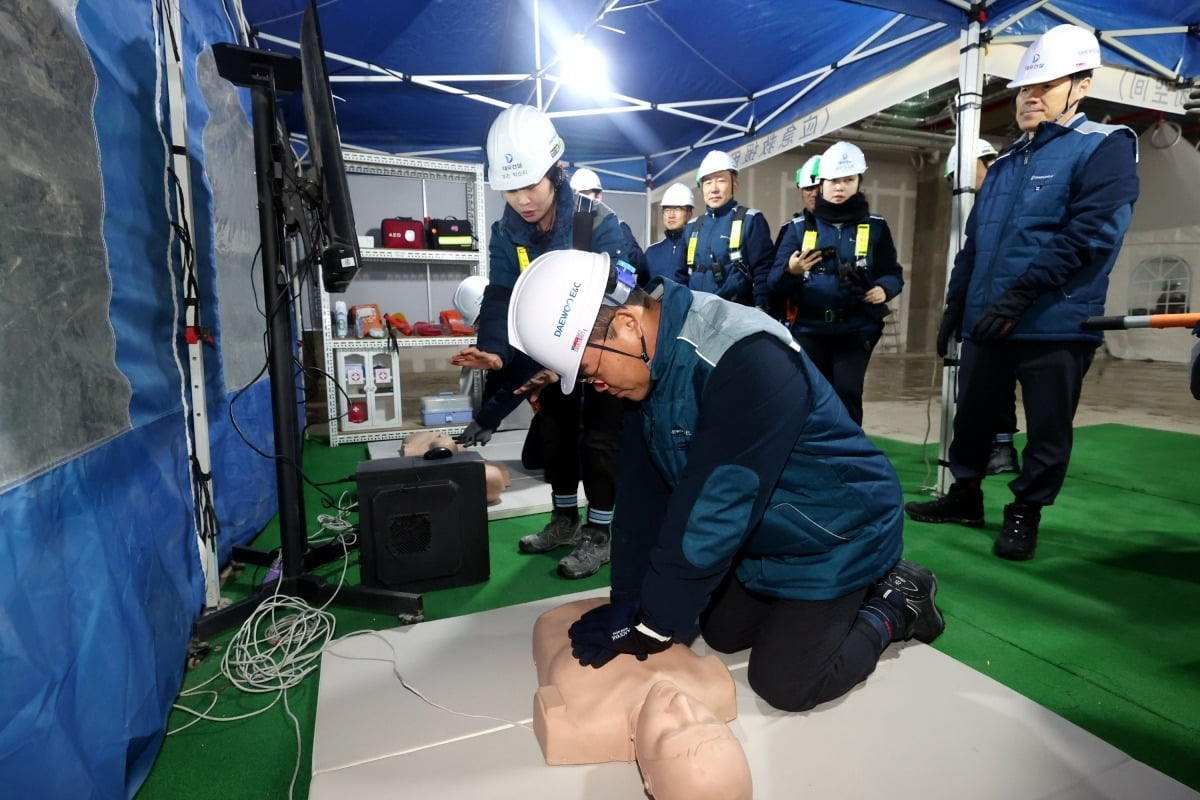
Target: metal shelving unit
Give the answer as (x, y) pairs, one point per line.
(381, 421)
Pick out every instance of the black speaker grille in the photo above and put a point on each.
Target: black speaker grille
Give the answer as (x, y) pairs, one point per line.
(408, 534)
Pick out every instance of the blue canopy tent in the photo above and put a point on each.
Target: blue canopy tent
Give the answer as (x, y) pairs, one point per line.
(101, 570)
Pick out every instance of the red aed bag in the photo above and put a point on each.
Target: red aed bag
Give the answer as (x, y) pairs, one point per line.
(403, 232)
(453, 324)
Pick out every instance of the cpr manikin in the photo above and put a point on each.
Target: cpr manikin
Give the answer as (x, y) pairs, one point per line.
(496, 476)
(667, 712)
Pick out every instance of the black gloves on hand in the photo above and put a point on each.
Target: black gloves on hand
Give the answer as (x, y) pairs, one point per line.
(605, 632)
(951, 326)
(998, 321)
(474, 435)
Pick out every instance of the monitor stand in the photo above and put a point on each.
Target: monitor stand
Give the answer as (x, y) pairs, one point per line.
(265, 73)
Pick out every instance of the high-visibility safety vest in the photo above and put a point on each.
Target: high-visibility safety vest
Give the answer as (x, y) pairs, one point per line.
(735, 245)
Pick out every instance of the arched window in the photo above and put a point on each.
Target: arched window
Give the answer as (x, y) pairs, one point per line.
(1160, 285)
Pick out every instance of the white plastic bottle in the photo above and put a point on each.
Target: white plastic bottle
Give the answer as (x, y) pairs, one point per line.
(341, 325)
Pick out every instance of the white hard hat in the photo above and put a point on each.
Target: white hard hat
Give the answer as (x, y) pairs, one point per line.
(468, 297)
(983, 149)
(806, 176)
(522, 146)
(584, 180)
(1063, 50)
(553, 307)
(841, 160)
(715, 161)
(678, 194)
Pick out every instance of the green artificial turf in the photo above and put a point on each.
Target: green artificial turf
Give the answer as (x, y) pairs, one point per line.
(1100, 627)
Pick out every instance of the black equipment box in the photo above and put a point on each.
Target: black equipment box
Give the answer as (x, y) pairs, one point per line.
(422, 522)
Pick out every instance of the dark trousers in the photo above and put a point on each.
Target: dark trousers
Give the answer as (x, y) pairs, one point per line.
(801, 652)
(580, 433)
(842, 358)
(1051, 378)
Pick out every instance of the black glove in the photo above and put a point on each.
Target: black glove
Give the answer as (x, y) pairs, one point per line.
(475, 434)
(998, 321)
(602, 617)
(1191, 106)
(951, 326)
(595, 644)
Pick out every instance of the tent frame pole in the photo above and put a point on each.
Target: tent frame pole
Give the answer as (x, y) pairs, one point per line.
(970, 99)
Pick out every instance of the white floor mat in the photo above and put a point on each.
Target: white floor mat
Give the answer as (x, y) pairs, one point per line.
(923, 726)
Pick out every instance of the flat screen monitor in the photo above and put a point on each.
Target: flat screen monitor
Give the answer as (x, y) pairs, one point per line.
(339, 252)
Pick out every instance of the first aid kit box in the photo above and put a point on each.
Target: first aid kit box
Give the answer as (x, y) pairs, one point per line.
(446, 408)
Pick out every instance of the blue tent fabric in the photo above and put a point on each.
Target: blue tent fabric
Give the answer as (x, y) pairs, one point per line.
(99, 570)
(660, 53)
(99, 574)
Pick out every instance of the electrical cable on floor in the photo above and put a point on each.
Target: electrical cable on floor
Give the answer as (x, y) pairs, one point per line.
(926, 486)
(400, 677)
(276, 648)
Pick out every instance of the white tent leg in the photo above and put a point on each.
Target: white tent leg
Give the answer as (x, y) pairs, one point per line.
(970, 83)
(184, 247)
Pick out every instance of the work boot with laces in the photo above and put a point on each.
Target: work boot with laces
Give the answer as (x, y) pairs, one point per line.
(1018, 538)
(589, 555)
(918, 586)
(562, 530)
(1003, 458)
(962, 504)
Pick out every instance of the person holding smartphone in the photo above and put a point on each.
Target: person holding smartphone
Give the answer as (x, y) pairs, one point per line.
(836, 269)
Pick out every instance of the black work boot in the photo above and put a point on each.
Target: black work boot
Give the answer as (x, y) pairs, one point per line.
(1018, 537)
(918, 586)
(1003, 458)
(962, 504)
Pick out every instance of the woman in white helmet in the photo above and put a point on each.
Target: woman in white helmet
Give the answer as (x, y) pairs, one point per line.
(524, 152)
(1042, 237)
(663, 257)
(753, 510)
(835, 269)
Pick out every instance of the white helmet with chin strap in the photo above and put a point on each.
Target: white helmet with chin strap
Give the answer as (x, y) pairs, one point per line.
(585, 180)
(806, 176)
(715, 161)
(522, 146)
(554, 305)
(1061, 51)
(842, 160)
(468, 297)
(678, 195)
(983, 149)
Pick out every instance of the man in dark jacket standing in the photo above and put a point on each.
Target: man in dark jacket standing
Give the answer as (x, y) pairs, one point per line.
(1041, 240)
(750, 507)
(728, 249)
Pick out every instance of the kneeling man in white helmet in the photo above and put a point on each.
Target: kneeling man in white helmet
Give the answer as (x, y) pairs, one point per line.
(751, 508)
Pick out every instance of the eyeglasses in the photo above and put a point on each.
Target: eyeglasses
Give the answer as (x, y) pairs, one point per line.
(582, 378)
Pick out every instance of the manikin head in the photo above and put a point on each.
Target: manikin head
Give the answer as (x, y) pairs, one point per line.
(685, 752)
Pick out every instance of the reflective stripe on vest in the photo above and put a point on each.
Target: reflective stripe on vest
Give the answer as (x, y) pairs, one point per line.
(862, 240)
(735, 235)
